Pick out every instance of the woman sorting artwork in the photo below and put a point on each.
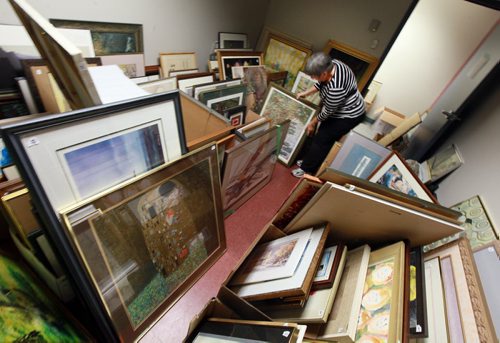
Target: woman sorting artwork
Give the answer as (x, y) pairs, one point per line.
(343, 108)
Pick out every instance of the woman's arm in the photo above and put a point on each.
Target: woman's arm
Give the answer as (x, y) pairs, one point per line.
(308, 92)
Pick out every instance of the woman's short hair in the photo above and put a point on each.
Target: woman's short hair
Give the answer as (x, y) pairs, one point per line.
(318, 63)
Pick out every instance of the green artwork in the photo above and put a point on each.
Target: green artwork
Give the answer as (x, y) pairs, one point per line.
(26, 312)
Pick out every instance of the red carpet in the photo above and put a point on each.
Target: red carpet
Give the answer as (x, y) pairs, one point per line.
(242, 227)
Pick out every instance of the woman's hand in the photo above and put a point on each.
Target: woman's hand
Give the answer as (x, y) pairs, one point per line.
(300, 95)
(311, 128)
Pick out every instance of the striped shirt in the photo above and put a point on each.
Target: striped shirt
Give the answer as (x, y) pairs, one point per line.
(340, 95)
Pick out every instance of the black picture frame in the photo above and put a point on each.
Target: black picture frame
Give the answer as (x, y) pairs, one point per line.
(236, 115)
(79, 279)
(417, 311)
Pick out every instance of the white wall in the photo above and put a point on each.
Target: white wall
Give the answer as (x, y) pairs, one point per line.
(168, 25)
(345, 21)
(478, 140)
(437, 39)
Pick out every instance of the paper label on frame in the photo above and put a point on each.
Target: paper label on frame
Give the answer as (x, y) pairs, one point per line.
(32, 142)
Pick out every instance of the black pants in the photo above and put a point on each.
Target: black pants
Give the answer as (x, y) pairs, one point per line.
(330, 131)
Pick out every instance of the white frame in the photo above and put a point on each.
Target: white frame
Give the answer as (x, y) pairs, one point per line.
(186, 85)
(159, 86)
(42, 146)
(135, 59)
(223, 36)
(252, 276)
(314, 98)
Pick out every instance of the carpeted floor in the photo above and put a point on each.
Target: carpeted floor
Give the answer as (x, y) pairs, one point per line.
(242, 227)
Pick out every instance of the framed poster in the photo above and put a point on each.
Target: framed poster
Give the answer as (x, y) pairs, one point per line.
(362, 64)
(395, 174)
(144, 244)
(132, 65)
(280, 105)
(229, 59)
(282, 54)
(232, 40)
(304, 82)
(170, 61)
(108, 38)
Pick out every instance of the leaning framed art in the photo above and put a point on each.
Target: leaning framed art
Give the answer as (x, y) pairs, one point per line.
(170, 61)
(108, 38)
(395, 174)
(232, 40)
(362, 64)
(145, 243)
(229, 59)
(222, 99)
(280, 105)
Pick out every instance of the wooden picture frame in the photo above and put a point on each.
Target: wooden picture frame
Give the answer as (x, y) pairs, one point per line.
(304, 82)
(328, 270)
(229, 59)
(280, 105)
(418, 302)
(132, 65)
(144, 244)
(359, 156)
(233, 40)
(177, 61)
(362, 64)
(254, 128)
(277, 77)
(467, 312)
(394, 173)
(108, 38)
(64, 59)
(281, 53)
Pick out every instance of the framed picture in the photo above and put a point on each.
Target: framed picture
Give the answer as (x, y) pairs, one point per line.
(31, 310)
(144, 244)
(468, 317)
(249, 166)
(177, 61)
(64, 59)
(437, 330)
(381, 312)
(359, 156)
(328, 269)
(277, 77)
(108, 38)
(282, 54)
(255, 79)
(222, 99)
(273, 260)
(173, 73)
(254, 128)
(304, 82)
(197, 89)
(229, 59)
(395, 174)
(131, 64)
(186, 82)
(487, 258)
(297, 285)
(232, 40)
(417, 309)
(231, 330)
(343, 318)
(236, 115)
(362, 64)
(281, 105)
(160, 86)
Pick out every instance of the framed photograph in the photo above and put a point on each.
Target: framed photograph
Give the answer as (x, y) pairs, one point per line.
(249, 166)
(304, 82)
(395, 174)
(197, 89)
(280, 105)
(170, 61)
(108, 38)
(231, 330)
(144, 244)
(359, 156)
(487, 258)
(18, 207)
(65, 60)
(232, 40)
(319, 304)
(362, 64)
(282, 54)
(273, 260)
(417, 309)
(33, 309)
(381, 312)
(186, 82)
(173, 73)
(132, 65)
(468, 317)
(236, 115)
(329, 267)
(229, 59)
(297, 285)
(343, 318)
(256, 81)
(160, 86)
(222, 99)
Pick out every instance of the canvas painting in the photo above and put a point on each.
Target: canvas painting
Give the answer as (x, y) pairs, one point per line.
(304, 82)
(255, 79)
(281, 105)
(28, 314)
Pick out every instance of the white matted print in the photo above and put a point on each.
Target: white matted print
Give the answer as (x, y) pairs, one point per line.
(326, 264)
(132, 65)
